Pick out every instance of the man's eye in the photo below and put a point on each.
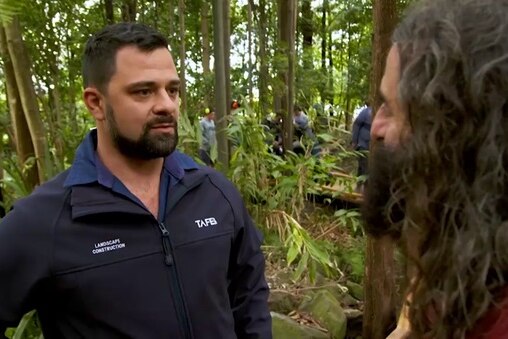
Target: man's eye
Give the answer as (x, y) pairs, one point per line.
(385, 110)
(173, 91)
(143, 92)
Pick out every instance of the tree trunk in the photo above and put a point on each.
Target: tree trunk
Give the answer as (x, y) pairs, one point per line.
(287, 32)
(108, 8)
(21, 65)
(21, 133)
(330, 90)
(227, 49)
(171, 19)
(205, 34)
(221, 98)
(307, 29)
(250, 6)
(380, 293)
(183, 85)
(262, 56)
(322, 87)
(55, 102)
(129, 10)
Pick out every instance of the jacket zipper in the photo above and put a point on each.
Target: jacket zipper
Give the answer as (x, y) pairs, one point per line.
(175, 285)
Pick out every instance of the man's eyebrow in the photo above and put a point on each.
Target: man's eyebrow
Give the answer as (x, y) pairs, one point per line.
(140, 84)
(151, 84)
(175, 82)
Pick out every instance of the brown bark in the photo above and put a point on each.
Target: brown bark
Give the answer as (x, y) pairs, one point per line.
(221, 100)
(227, 49)
(205, 36)
(171, 19)
(183, 84)
(287, 32)
(250, 6)
(262, 57)
(108, 9)
(21, 133)
(380, 292)
(22, 66)
(129, 8)
(307, 26)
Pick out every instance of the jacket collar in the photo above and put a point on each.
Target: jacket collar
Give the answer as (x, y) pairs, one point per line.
(87, 167)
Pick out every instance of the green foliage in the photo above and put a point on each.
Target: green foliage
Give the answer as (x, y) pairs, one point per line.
(277, 190)
(8, 10)
(13, 183)
(302, 248)
(351, 218)
(28, 328)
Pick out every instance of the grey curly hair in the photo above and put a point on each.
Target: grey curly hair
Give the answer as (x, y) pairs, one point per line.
(454, 182)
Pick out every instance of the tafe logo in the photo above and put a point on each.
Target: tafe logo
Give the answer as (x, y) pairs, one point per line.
(206, 222)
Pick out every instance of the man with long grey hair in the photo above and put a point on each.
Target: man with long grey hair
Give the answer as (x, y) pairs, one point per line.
(439, 174)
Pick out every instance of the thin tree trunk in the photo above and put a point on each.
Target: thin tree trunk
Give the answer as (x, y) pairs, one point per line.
(330, 68)
(323, 51)
(227, 49)
(129, 8)
(250, 6)
(307, 29)
(183, 85)
(171, 19)
(221, 98)
(108, 8)
(55, 113)
(21, 65)
(205, 34)
(21, 133)
(262, 56)
(380, 293)
(287, 29)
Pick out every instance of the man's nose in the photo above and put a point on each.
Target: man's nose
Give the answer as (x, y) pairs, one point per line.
(378, 127)
(165, 103)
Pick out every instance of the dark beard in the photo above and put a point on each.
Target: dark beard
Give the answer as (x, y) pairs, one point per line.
(384, 171)
(148, 146)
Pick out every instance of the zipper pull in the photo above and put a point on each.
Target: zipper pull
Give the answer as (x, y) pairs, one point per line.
(168, 257)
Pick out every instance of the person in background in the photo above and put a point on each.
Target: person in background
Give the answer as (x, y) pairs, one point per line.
(134, 240)
(438, 181)
(361, 138)
(207, 125)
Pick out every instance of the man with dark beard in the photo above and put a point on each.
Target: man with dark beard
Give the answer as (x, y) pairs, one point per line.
(439, 180)
(134, 240)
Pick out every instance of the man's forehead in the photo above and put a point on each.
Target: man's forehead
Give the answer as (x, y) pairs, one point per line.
(391, 76)
(132, 64)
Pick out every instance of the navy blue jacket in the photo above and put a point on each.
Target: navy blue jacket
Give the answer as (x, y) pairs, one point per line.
(361, 129)
(96, 264)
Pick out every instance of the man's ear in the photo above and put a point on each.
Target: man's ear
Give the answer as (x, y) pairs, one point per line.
(94, 101)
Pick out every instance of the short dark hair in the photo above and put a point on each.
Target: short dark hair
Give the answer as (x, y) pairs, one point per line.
(100, 51)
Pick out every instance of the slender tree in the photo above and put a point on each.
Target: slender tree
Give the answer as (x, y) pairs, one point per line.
(129, 10)
(262, 57)
(183, 83)
(205, 44)
(287, 32)
(380, 293)
(221, 93)
(21, 133)
(22, 72)
(108, 8)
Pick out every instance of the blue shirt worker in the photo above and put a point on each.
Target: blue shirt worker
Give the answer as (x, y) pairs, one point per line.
(361, 137)
(207, 126)
(134, 240)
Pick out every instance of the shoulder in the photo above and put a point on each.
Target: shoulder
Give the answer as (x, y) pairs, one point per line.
(34, 215)
(494, 324)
